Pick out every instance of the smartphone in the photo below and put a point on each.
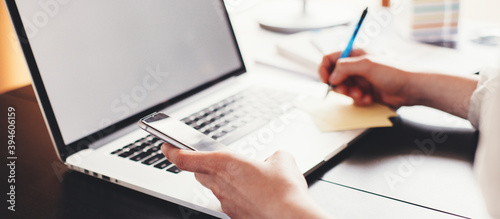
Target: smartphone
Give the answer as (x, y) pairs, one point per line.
(177, 133)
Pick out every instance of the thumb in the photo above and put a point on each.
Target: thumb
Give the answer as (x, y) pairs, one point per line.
(348, 67)
(284, 162)
(282, 158)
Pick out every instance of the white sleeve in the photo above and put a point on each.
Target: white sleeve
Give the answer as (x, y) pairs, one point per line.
(484, 114)
(477, 97)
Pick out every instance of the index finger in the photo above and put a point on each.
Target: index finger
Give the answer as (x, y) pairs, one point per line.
(328, 64)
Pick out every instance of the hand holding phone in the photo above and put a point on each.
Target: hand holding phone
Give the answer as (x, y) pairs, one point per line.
(177, 133)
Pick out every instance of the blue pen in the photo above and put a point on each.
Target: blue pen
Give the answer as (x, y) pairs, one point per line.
(348, 49)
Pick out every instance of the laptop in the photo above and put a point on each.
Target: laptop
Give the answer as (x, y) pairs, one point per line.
(98, 66)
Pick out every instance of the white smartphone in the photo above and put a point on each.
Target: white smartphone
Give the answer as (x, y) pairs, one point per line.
(177, 133)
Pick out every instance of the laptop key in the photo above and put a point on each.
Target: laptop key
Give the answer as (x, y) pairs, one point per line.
(140, 156)
(242, 131)
(129, 146)
(230, 129)
(174, 169)
(203, 113)
(213, 128)
(230, 118)
(126, 154)
(213, 119)
(163, 164)
(187, 121)
(153, 149)
(198, 127)
(116, 151)
(153, 159)
(223, 123)
(219, 135)
(133, 150)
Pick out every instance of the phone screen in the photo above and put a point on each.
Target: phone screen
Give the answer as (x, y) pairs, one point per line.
(177, 133)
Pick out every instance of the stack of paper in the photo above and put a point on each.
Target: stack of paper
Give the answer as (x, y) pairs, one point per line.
(435, 20)
(338, 113)
(296, 54)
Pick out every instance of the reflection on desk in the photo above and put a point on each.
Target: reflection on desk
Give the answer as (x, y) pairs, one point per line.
(428, 166)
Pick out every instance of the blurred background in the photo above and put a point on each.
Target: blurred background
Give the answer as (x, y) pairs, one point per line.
(13, 70)
(14, 73)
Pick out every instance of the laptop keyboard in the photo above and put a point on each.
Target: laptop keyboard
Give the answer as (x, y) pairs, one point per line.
(225, 121)
(240, 114)
(147, 151)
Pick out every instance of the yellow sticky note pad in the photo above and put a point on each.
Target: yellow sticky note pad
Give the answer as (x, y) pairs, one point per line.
(338, 113)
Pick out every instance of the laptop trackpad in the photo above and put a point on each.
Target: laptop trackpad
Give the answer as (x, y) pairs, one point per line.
(294, 132)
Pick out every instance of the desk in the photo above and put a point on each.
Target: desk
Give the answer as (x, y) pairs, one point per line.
(352, 185)
(45, 188)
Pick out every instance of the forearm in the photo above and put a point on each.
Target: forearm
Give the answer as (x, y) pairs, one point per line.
(444, 92)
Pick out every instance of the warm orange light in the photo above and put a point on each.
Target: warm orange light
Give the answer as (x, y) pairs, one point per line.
(13, 69)
(386, 3)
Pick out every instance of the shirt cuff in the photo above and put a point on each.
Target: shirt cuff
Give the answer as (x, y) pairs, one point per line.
(478, 96)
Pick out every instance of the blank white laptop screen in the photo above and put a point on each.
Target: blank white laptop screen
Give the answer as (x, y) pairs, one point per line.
(104, 60)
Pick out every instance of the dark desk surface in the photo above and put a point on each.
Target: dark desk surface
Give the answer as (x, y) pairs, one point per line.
(45, 188)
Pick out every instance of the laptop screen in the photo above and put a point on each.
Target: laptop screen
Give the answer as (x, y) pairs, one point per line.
(102, 61)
